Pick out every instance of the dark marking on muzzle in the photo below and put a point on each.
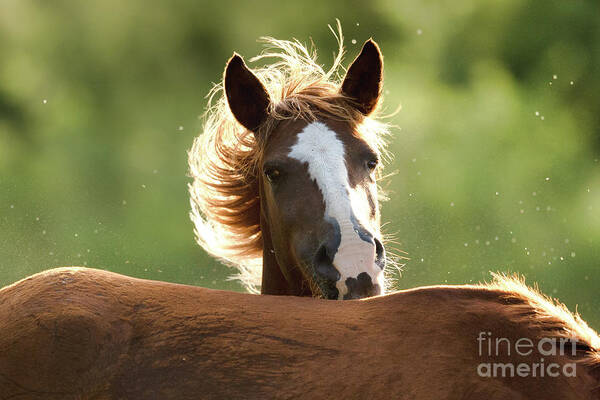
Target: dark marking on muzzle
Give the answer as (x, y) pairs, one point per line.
(379, 254)
(362, 232)
(365, 235)
(361, 287)
(325, 274)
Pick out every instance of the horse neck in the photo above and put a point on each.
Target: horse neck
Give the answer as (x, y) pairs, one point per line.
(273, 281)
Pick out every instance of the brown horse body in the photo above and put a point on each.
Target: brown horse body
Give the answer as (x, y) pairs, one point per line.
(75, 333)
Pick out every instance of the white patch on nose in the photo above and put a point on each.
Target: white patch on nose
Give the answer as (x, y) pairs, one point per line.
(320, 148)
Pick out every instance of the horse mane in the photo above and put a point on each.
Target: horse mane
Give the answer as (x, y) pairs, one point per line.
(549, 318)
(225, 159)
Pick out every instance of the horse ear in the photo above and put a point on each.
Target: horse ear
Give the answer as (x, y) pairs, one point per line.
(363, 79)
(247, 98)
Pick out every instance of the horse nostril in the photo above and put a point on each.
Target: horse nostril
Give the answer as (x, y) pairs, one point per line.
(379, 254)
(360, 287)
(324, 265)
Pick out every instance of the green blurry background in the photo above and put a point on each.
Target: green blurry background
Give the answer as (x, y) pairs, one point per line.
(496, 146)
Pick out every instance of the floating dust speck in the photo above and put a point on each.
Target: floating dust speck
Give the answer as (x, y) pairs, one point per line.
(353, 41)
(419, 31)
(44, 101)
(555, 77)
(537, 113)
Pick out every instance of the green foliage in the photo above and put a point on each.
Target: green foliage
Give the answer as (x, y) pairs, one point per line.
(99, 102)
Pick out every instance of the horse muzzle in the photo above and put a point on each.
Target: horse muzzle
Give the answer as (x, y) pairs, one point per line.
(366, 282)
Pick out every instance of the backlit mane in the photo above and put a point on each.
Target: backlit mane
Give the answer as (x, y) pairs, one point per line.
(548, 317)
(224, 160)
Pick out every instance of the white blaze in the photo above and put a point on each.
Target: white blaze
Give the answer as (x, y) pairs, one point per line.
(319, 147)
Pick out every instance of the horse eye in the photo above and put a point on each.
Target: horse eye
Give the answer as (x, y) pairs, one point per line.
(372, 164)
(272, 174)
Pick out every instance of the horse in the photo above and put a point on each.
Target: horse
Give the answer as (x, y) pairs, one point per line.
(285, 174)
(78, 333)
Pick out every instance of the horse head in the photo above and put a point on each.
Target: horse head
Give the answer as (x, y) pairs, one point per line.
(318, 191)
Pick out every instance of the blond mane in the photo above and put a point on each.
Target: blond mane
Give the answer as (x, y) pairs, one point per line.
(224, 160)
(547, 316)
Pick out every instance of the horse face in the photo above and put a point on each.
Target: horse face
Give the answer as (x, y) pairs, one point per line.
(320, 198)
